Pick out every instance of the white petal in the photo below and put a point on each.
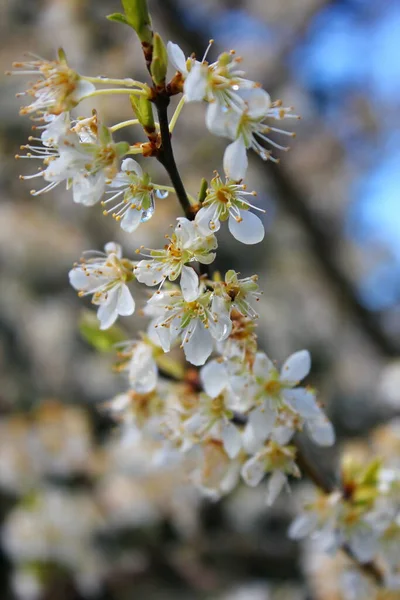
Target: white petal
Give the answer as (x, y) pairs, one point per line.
(321, 431)
(199, 346)
(231, 439)
(206, 220)
(249, 230)
(88, 189)
(142, 369)
(263, 366)
(253, 471)
(195, 85)
(363, 543)
(257, 100)
(296, 367)
(262, 421)
(83, 88)
(217, 119)
(148, 272)
(130, 165)
(113, 248)
(82, 282)
(235, 160)
(189, 284)
(176, 57)
(214, 378)
(303, 401)
(220, 327)
(302, 526)
(282, 434)
(131, 220)
(164, 334)
(107, 312)
(275, 485)
(125, 304)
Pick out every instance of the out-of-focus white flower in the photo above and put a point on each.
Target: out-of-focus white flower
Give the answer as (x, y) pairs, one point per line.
(105, 275)
(213, 415)
(278, 404)
(59, 88)
(55, 526)
(275, 459)
(187, 244)
(192, 315)
(227, 201)
(216, 474)
(133, 203)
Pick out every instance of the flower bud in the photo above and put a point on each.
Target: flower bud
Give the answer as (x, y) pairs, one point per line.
(159, 63)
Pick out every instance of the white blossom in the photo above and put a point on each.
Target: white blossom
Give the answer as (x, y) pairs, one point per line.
(186, 244)
(249, 128)
(227, 201)
(59, 88)
(133, 203)
(192, 315)
(105, 276)
(275, 459)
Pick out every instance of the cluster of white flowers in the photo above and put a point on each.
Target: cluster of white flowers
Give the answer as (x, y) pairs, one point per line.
(238, 108)
(237, 415)
(363, 516)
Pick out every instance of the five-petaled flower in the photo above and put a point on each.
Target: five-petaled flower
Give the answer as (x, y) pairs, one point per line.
(105, 276)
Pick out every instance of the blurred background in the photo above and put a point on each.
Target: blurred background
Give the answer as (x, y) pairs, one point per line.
(329, 267)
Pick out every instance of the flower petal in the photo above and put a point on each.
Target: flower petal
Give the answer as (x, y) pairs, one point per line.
(142, 369)
(130, 165)
(189, 284)
(131, 220)
(258, 101)
(206, 220)
(231, 439)
(249, 230)
(195, 85)
(88, 189)
(321, 431)
(253, 471)
(199, 345)
(275, 485)
(214, 378)
(125, 302)
(303, 401)
(302, 526)
(296, 367)
(235, 160)
(176, 57)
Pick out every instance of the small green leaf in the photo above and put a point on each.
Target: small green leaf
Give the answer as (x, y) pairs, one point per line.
(203, 190)
(103, 341)
(62, 57)
(137, 16)
(159, 63)
(118, 18)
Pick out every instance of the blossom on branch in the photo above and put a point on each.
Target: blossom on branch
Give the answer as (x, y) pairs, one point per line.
(105, 275)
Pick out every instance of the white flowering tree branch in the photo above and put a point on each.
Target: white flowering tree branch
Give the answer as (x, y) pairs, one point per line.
(233, 413)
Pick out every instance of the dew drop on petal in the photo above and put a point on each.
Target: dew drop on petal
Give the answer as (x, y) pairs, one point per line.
(224, 109)
(235, 87)
(148, 213)
(162, 194)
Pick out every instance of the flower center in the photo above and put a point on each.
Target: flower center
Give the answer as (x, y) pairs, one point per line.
(273, 387)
